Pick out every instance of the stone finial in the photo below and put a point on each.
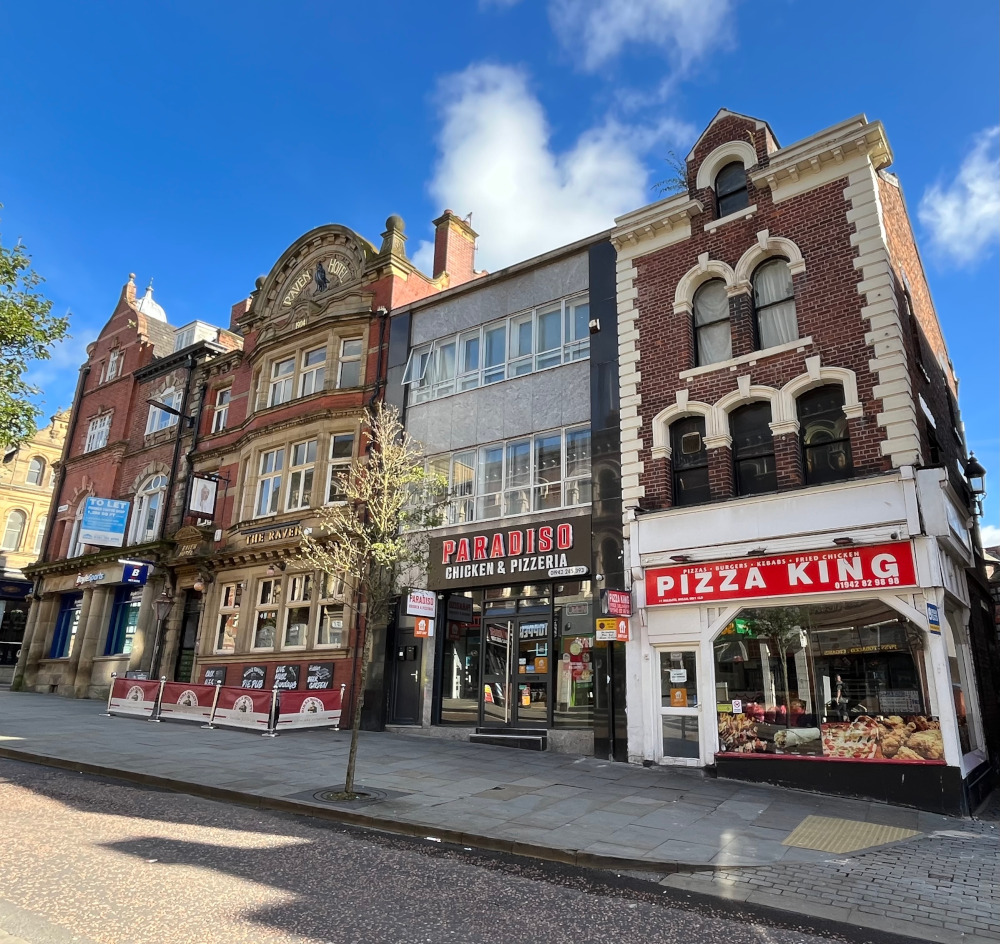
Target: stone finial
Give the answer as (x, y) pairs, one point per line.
(393, 239)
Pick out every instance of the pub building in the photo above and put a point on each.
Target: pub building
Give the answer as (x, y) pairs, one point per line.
(800, 529)
(282, 423)
(498, 379)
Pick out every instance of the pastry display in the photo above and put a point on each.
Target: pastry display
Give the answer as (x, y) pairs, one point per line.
(887, 738)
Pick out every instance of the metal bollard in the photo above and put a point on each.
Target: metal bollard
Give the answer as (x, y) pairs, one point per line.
(155, 716)
(111, 692)
(272, 719)
(215, 704)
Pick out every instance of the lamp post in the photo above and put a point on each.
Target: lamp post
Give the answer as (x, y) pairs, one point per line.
(162, 603)
(975, 474)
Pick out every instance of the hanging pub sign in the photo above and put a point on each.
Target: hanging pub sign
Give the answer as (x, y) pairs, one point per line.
(868, 567)
(482, 558)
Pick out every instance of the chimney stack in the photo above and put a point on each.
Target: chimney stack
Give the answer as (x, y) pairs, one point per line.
(454, 248)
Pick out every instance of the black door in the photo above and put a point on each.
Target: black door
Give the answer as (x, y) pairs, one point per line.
(189, 636)
(406, 690)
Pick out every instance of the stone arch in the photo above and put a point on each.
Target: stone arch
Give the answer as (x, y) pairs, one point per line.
(748, 393)
(742, 151)
(817, 376)
(765, 248)
(706, 270)
(154, 468)
(663, 420)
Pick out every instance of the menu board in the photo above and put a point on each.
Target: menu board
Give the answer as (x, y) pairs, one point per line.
(215, 675)
(253, 676)
(286, 677)
(319, 675)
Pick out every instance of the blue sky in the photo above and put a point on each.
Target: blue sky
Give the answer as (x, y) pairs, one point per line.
(192, 142)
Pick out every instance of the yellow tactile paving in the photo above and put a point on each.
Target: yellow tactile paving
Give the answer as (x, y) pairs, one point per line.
(827, 834)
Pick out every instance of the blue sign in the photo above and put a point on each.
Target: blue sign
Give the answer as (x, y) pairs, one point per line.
(135, 574)
(934, 619)
(104, 521)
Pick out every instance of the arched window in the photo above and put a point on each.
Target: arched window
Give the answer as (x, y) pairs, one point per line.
(731, 189)
(76, 546)
(36, 471)
(826, 443)
(689, 461)
(14, 531)
(40, 534)
(753, 449)
(713, 336)
(774, 304)
(149, 501)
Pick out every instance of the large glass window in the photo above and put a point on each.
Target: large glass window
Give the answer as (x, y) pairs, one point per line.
(774, 304)
(837, 680)
(229, 618)
(826, 442)
(301, 471)
(114, 366)
(689, 461)
(149, 502)
(731, 189)
(712, 331)
(330, 629)
(124, 619)
(298, 610)
(753, 449)
(269, 482)
(40, 534)
(553, 334)
(163, 418)
(349, 374)
(36, 471)
(221, 416)
(97, 432)
(266, 613)
(67, 624)
(280, 388)
(313, 372)
(341, 455)
(14, 530)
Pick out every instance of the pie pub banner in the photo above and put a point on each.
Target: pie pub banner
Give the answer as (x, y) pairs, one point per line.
(866, 567)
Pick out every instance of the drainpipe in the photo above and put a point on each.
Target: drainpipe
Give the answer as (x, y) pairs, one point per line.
(177, 445)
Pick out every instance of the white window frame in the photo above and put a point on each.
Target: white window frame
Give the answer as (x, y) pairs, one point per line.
(184, 337)
(12, 515)
(40, 533)
(281, 384)
(229, 609)
(221, 415)
(346, 359)
(77, 548)
(272, 607)
(97, 432)
(312, 376)
(41, 471)
(432, 373)
(299, 596)
(113, 367)
(160, 419)
(331, 598)
(301, 468)
(271, 477)
(153, 490)
(336, 466)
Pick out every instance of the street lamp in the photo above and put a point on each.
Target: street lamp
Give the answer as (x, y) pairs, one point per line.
(162, 604)
(976, 476)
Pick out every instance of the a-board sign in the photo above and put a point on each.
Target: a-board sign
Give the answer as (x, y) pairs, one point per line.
(215, 675)
(319, 675)
(253, 676)
(286, 677)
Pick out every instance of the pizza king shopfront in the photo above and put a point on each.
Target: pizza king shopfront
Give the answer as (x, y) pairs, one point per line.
(836, 670)
(505, 633)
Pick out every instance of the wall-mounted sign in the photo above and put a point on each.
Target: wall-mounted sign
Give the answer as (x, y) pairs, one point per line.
(423, 627)
(135, 574)
(934, 619)
(421, 603)
(104, 521)
(678, 676)
(286, 677)
(319, 675)
(612, 629)
(83, 580)
(460, 609)
(511, 555)
(678, 698)
(318, 277)
(215, 675)
(271, 535)
(616, 602)
(201, 501)
(253, 676)
(869, 567)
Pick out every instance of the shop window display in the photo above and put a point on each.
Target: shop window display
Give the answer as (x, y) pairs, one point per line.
(834, 681)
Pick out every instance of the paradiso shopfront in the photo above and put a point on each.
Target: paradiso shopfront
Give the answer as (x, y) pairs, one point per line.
(511, 645)
(825, 670)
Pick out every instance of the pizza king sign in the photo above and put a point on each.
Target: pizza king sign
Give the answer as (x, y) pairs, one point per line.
(869, 567)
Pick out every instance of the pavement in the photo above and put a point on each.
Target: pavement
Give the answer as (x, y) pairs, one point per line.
(927, 876)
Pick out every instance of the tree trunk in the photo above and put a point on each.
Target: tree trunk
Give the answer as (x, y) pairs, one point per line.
(359, 702)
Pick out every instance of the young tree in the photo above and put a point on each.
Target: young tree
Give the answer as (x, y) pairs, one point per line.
(374, 541)
(27, 330)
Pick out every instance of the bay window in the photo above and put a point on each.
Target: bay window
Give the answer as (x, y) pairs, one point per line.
(301, 469)
(269, 482)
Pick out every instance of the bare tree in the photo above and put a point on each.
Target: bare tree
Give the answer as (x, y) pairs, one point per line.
(374, 541)
(781, 627)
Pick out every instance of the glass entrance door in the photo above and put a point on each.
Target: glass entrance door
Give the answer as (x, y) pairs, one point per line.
(533, 661)
(680, 711)
(516, 671)
(498, 638)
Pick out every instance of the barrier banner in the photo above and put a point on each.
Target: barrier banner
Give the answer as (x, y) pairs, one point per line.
(316, 709)
(240, 708)
(182, 700)
(133, 696)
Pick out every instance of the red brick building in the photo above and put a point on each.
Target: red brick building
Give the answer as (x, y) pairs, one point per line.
(798, 520)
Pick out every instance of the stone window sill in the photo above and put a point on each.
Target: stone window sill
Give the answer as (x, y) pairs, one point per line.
(799, 344)
(746, 213)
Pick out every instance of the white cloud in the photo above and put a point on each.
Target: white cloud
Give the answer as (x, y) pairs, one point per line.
(990, 535)
(963, 217)
(496, 159)
(599, 29)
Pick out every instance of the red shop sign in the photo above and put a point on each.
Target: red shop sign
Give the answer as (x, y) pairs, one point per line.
(868, 567)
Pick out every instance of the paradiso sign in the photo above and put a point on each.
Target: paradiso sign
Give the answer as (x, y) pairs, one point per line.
(872, 567)
(511, 555)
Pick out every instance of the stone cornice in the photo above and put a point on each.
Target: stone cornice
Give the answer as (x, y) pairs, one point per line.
(654, 220)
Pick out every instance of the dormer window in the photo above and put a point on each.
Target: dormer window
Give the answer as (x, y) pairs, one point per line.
(731, 189)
